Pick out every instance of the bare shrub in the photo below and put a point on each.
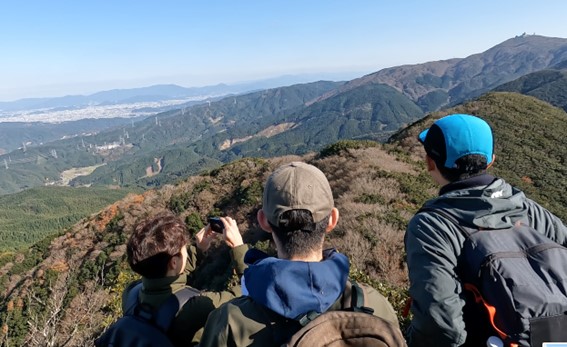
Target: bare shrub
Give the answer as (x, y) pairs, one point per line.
(54, 322)
(83, 318)
(372, 223)
(45, 315)
(373, 245)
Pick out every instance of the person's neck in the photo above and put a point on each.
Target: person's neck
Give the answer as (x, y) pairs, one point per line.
(311, 257)
(172, 272)
(483, 179)
(439, 179)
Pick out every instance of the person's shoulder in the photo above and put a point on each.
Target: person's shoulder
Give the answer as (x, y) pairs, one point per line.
(240, 314)
(244, 312)
(129, 297)
(131, 286)
(424, 218)
(198, 298)
(237, 303)
(244, 309)
(241, 303)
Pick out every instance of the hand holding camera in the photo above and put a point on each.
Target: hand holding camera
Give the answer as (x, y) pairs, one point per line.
(225, 226)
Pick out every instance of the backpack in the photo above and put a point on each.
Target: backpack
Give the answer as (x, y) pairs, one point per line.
(140, 326)
(351, 326)
(517, 280)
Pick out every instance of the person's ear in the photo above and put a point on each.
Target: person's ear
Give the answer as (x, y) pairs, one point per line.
(263, 221)
(431, 166)
(172, 263)
(492, 162)
(333, 220)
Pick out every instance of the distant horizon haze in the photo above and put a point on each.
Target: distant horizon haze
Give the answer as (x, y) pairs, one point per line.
(88, 88)
(59, 48)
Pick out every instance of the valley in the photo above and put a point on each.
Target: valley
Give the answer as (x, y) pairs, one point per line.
(68, 175)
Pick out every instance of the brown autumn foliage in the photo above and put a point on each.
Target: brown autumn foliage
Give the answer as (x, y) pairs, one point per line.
(368, 184)
(376, 188)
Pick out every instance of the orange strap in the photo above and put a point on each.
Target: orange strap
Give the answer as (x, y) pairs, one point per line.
(407, 306)
(489, 308)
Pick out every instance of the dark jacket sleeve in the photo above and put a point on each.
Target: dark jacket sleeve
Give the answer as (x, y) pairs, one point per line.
(199, 309)
(217, 329)
(237, 255)
(547, 223)
(432, 248)
(193, 256)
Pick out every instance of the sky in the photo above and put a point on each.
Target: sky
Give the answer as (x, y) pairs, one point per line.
(56, 48)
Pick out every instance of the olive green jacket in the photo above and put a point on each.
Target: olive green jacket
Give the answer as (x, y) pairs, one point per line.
(243, 322)
(187, 328)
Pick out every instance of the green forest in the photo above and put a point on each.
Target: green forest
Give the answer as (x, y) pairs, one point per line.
(31, 215)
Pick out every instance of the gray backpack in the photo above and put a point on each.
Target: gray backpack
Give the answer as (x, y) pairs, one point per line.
(142, 327)
(516, 279)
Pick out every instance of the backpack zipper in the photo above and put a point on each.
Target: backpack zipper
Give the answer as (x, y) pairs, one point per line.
(491, 258)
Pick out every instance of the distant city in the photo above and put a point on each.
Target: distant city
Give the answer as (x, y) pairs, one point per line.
(125, 110)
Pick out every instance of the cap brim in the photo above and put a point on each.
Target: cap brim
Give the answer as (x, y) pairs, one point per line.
(421, 137)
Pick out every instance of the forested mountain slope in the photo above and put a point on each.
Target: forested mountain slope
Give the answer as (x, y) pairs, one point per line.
(282, 121)
(75, 278)
(549, 85)
(130, 152)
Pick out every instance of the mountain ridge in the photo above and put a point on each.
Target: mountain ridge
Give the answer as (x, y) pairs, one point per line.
(159, 92)
(459, 79)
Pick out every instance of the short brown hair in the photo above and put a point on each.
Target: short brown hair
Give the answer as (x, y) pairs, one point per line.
(154, 242)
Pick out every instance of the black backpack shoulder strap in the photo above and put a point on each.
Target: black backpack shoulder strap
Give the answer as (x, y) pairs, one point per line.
(172, 306)
(357, 299)
(467, 232)
(351, 300)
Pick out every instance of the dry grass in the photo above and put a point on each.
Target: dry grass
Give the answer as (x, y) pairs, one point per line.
(372, 226)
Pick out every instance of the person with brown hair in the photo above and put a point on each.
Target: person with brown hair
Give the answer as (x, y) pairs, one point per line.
(158, 251)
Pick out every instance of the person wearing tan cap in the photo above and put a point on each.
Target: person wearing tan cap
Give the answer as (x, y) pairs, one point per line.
(298, 210)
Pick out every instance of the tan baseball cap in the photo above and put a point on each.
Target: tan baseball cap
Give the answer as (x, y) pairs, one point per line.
(297, 186)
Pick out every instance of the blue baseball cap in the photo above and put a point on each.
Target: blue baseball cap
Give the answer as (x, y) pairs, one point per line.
(455, 136)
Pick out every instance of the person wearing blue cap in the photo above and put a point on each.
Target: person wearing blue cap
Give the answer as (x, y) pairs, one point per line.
(459, 150)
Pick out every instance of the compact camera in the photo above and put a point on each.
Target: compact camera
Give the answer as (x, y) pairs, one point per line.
(216, 224)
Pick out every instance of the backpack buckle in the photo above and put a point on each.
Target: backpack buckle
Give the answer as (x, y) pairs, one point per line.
(308, 317)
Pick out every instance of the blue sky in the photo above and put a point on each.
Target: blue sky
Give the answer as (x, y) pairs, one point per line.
(56, 48)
